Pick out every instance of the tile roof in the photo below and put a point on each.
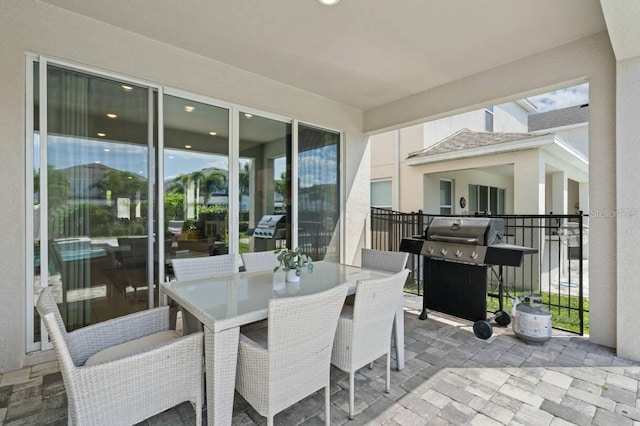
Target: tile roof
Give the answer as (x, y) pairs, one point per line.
(558, 118)
(466, 139)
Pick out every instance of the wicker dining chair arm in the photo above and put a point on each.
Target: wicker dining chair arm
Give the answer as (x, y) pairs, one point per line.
(161, 377)
(85, 342)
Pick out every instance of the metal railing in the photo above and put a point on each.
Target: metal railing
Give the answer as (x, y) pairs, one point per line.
(557, 271)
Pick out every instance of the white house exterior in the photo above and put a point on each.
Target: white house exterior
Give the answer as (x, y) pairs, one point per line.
(468, 170)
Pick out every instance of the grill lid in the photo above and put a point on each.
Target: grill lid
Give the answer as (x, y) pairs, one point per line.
(482, 231)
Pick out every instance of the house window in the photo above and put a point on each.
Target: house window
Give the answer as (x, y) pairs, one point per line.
(446, 196)
(486, 199)
(488, 119)
(381, 194)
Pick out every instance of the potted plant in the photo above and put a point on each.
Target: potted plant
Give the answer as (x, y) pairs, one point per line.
(292, 262)
(191, 229)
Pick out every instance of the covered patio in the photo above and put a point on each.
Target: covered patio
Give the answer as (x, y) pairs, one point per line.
(356, 69)
(450, 377)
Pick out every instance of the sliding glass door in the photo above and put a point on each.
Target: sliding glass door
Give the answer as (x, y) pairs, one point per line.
(265, 183)
(196, 179)
(127, 177)
(91, 181)
(319, 193)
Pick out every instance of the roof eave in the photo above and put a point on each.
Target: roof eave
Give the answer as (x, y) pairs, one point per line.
(518, 145)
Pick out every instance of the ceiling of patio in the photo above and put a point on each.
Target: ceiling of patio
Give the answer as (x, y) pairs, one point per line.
(363, 53)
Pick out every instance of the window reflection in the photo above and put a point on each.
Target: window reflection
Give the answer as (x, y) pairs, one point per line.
(319, 193)
(196, 179)
(265, 185)
(97, 176)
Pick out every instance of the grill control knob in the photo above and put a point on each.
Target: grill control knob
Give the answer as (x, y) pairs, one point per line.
(474, 255)
(443, 251)
(430, 250)
(458, 253)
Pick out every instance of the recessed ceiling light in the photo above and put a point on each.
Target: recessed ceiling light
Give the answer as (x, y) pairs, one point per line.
(329, 2)
(129, 177)
(97, 162)
(127, 88)
(189, 108)
(112, 115)
(171, 157)
(213, 133)
(141, 172)
(102, 135)
(246, 114)
(188, 146)
(106, 150)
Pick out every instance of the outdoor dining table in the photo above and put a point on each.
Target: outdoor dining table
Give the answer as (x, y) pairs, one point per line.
(223, 304)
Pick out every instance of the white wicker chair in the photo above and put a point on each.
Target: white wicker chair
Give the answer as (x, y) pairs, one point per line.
(259, 261)
(144, 369)
(390, 261)
(284, 363)
(192, 268)
(364, 329)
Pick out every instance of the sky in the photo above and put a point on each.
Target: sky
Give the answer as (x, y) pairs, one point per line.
(563, 98)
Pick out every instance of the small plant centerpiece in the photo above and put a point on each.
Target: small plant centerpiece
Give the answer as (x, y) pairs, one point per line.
(292, 262)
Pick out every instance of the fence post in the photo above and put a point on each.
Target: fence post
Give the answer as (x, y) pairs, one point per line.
(580, 254)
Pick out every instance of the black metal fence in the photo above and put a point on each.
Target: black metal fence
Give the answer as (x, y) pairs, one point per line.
(558, 272)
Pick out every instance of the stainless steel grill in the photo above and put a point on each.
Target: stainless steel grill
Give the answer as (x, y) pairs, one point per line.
(271, 226)
(270, 233)
(458, 251)
(475, 240)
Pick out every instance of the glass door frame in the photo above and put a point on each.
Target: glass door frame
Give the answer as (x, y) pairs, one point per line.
(342, 180)
(43, 64)
(156, 171)
(233, 168)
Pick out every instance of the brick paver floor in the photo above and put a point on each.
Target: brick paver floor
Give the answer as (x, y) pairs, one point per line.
(450, 377)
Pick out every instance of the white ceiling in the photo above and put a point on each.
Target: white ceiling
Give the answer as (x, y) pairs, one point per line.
(363, 53)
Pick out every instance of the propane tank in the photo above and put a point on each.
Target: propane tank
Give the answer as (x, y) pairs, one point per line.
(532, 322)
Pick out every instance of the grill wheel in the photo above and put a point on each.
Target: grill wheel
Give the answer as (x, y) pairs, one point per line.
(482, 329)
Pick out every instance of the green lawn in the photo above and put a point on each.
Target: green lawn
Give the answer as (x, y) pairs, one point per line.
(561, 316)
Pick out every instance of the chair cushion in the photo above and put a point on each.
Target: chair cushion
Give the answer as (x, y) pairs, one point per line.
(131, 347)
(259, 336)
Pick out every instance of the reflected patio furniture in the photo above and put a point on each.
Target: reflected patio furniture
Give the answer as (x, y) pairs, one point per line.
(259, 261)
(132, 256)
(364, 329)
(127, 369)
(175, 227)
(72, 258)
(290, 359)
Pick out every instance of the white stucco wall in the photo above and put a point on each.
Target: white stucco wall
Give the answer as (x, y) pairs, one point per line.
(627, 210)
(30, 26)
(510, 117)
(588, 59)
(577, 136)
(437, 130)
(461, 181)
